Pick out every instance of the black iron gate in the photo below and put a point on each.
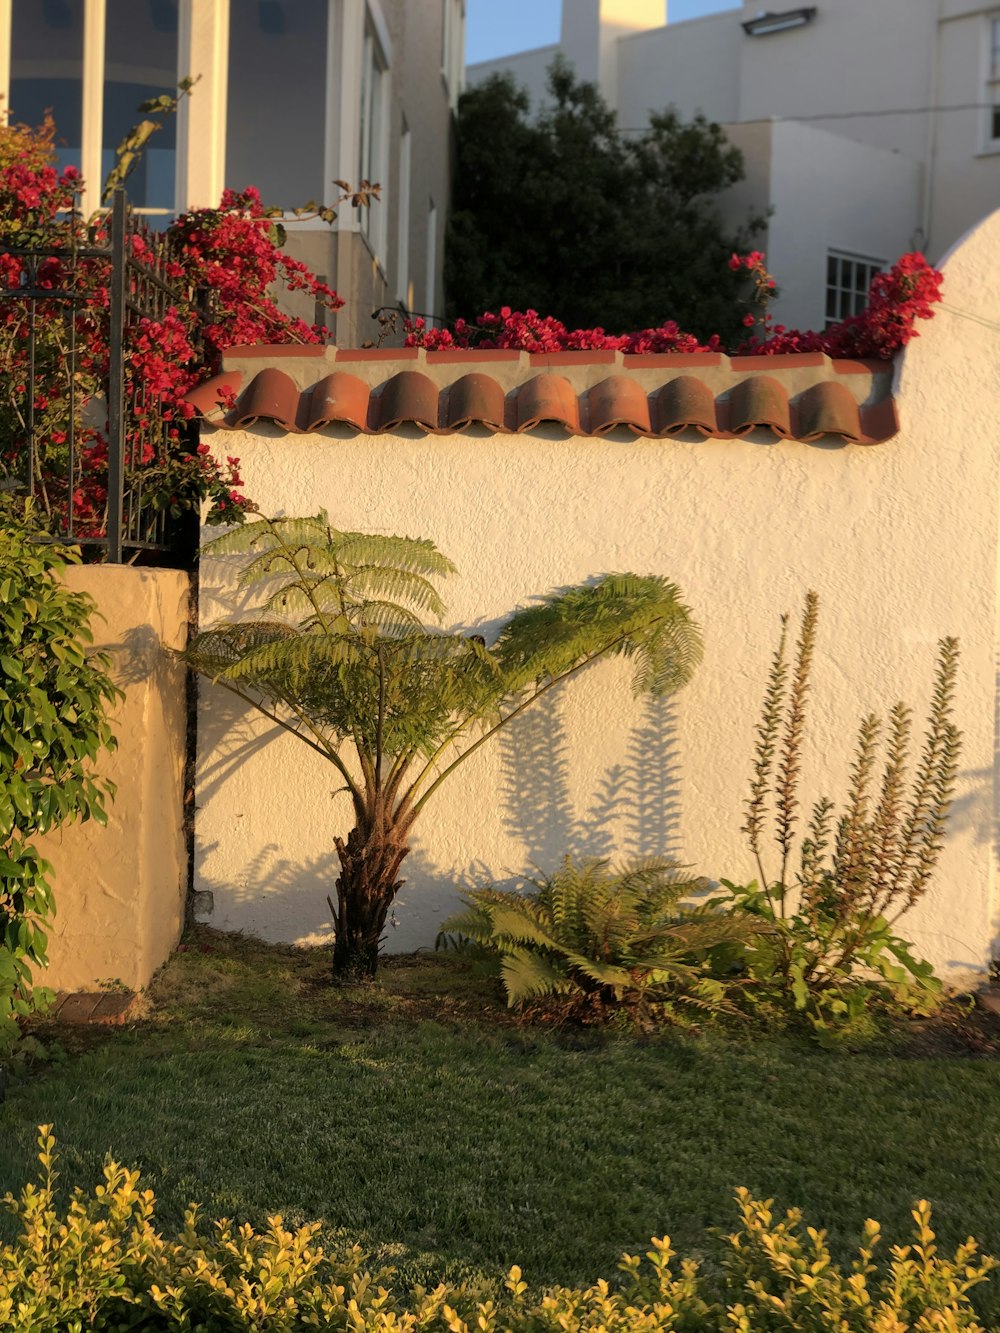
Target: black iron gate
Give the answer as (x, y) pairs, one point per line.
(96, 487)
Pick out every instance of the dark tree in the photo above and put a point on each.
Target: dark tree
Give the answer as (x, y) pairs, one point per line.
(599, 227)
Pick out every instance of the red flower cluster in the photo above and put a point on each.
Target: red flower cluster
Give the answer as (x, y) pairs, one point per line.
(531, 332)
(233, 254)
(896, 301)
(228, 263)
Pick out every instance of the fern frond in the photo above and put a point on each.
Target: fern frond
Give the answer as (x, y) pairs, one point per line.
(589, 929)
(619, 614)
(529, 976)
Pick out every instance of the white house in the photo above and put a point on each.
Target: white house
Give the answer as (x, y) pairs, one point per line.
(869, 127)
(292, 95)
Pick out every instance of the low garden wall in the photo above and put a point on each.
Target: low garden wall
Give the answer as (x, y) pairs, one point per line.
(120, 890)
(899, 537)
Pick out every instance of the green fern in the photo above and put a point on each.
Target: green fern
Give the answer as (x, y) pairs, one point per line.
(592, 937)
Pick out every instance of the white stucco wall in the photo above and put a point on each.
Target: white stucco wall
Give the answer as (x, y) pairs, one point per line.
(899, 539)
(830, 193)
(529, 69)
(694, 66)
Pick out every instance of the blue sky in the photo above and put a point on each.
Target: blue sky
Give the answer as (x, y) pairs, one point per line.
(499, 27)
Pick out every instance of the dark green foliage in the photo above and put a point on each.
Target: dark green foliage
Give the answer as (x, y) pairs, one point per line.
(351, 664)
(599, 227)
(53, 727)
(590, 940)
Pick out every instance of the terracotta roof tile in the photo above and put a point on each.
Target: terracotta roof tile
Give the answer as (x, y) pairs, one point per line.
(271, 395)
(408, 398)
(337, 398)
(618, 401)
(666, 394)
(547, 398)
(755, 402)
(826, 409)
(685, 403)
(475, 399)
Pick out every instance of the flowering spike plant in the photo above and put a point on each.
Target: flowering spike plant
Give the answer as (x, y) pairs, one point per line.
(227, 263)
(896, 301)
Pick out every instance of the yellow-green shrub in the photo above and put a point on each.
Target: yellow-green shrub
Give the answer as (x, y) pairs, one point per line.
(102, 1265)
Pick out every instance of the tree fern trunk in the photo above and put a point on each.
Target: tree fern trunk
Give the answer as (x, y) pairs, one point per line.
(366, 886)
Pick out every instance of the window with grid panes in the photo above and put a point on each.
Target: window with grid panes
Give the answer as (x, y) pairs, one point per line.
(992, 98)
(373, 148)
(848, 278)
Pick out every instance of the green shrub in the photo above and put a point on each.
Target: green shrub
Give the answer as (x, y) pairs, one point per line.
(832, 946)
(100, 1264)
(53, 726)
(592, 939)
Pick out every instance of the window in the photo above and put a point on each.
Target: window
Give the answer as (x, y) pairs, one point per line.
(992, 89)
(430, 281)
(140, 62)
(403, 293)
(93, 79)
(371, 167)
(848, 278)
(275, 137)
(46, 72)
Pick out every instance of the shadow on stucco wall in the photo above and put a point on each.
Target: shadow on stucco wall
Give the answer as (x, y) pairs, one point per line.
(230, 732)
(634, 811)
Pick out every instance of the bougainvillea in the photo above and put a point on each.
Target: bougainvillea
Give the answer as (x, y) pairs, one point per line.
(226, 263)
(896, 301)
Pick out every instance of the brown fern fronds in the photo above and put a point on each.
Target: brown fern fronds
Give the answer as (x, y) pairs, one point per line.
(789, 764)
(812, 875)
(920, 839)
(767, 738)
(853, 854)
(888, 817)
(932, 841)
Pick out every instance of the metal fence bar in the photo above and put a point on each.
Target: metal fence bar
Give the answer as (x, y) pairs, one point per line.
(140, 290)
(116, 382)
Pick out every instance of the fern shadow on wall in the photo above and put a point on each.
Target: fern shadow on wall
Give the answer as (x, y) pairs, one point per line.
(634, 811)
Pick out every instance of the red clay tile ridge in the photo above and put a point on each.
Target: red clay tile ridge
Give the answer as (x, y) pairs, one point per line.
(378, 391)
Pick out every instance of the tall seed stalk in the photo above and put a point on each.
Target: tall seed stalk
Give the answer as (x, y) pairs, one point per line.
(890, 836)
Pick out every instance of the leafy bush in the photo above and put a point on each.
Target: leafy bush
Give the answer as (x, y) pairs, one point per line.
(833, 946)
(53, 726)
(591, 938)
(101, 1264)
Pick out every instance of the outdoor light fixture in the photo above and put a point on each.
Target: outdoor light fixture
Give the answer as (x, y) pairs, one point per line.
(766, 23)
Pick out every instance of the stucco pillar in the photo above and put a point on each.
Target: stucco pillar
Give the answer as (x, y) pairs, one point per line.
(120, 889)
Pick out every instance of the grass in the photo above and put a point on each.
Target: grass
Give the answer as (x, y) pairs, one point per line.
(416, 1117)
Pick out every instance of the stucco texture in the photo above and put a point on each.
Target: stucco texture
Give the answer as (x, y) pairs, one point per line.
(900, 540)
(120, 889)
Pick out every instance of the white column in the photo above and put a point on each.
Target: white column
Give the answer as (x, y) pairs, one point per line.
(5, 23)
(350, 56)
(94, 15)
(203, 50)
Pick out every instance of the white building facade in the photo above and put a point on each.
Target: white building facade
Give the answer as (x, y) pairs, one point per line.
(869, 127)
(291, 96)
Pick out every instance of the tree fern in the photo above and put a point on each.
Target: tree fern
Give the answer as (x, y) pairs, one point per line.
(339, 655)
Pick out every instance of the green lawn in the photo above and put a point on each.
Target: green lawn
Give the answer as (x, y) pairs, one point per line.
(417, 1118)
